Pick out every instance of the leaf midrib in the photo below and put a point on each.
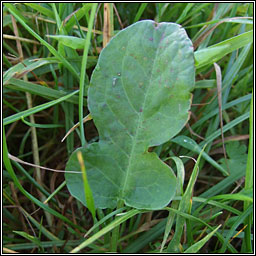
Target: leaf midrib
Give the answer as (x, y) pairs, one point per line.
(138, 125)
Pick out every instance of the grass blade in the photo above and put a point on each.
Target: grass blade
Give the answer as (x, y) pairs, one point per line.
(18, 116)
(42, 41)
(198, 245)
(215, 52)
(87, 189)
(83, 71)
(184, 207)
(106, 229)
(140, 12)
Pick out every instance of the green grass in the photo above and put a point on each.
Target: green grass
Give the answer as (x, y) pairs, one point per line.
(212, 211)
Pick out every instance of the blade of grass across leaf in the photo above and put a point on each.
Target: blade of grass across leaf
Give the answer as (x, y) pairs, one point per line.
(87, 189)
(15, 117)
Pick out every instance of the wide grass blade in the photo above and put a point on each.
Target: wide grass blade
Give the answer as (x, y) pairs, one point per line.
(215, 52)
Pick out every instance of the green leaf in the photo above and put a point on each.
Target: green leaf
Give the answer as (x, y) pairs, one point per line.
(139, 97)
(70, 41)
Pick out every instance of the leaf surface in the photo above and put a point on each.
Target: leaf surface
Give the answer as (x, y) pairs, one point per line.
(139, 97)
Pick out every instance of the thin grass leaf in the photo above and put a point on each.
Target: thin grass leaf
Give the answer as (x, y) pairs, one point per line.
(48, 46)
(17, 183)
(87, 189)
(236, 196)
(249, 182)
(175, 204)
(226, 106)
(232, 231)
(241, 20)
(198, 245)
(29, 237)
(184, 207)
(15, 117)
(183, 15)
(190, 144)
(44, 126)
(43, 91)
(140, 12)
(193, 218)
(43, 10)
(104, 219)
(83, 72)
(226, 127)
(106, 229)
(69, 22)
(70, 41)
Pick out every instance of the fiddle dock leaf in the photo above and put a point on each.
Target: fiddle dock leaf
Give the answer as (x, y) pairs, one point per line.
(139, 97)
